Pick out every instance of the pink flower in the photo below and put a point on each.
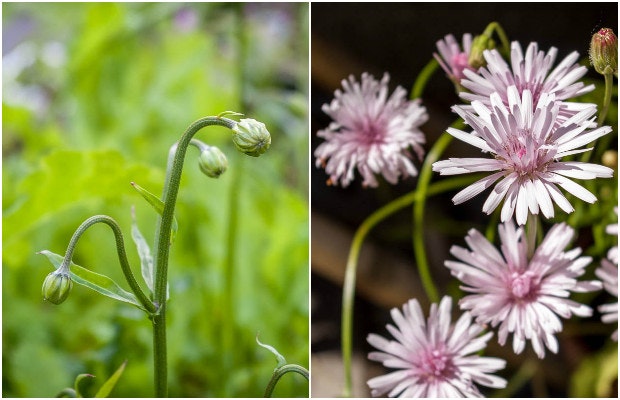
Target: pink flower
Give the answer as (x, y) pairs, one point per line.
(451, 58)
(434, 359)
(529, 72)
(370, 132)
(526, 145)
(524, 296)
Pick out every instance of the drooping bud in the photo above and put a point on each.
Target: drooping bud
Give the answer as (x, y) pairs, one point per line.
(57, 286)
(479, 45)
(212, 162)
(604, 52)
(251, 137)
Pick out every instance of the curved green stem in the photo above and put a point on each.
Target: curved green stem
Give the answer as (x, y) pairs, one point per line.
(422, 79)
(348, 291)
(279, 373)
(495, 26)
(120, 249)
(162, 241)
(418, 215)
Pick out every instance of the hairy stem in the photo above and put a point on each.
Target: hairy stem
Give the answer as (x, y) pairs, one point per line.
(279, 373)
(162, 244)
(120, 249)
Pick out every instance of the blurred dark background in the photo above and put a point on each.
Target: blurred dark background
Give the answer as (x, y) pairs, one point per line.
(400, 39)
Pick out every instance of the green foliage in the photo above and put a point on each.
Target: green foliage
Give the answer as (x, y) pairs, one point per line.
(135, 76)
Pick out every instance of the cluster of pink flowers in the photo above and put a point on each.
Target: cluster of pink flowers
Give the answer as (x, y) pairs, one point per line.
(520, 114)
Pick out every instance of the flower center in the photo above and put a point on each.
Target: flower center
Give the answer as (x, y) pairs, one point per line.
(523, 285)
(523, 155)
(435, 363)
(459, 62)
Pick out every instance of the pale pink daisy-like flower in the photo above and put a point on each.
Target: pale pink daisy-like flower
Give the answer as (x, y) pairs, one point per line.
(452, 59)
(370, 132)
(608, 274)
(523, 296)
(434, 359)
(530, 72)
(526, 145)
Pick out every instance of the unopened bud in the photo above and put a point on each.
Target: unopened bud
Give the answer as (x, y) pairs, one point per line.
(479, 45)
(251, 137)
(212, 162)
(604, 52)
(57, 286)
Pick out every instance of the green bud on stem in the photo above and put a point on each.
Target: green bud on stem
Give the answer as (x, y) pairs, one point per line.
(212, 162)
(251, 137)
(57, 286)
(604, 52)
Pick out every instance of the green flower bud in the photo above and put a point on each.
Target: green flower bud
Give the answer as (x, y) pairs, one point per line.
(251, 137)
(604, 51)
(479, 45)
(57, 286)
(212, 162)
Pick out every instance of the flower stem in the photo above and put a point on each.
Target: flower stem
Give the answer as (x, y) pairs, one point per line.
(279, 373)
(495, 26)
(418, 216)
(348, 292)
(122, 256)
(609, 81)
(162, 244)
(422, 79)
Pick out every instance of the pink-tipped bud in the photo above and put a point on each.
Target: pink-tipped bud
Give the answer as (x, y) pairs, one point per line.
(604, 51)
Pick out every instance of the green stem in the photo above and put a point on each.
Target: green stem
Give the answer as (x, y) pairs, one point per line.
(495, 26)
(609, 82)
(122, 256)
(531, 227)
(418, 215)
(162, 244)
(279, 373)
(348, 291)
(422, 79)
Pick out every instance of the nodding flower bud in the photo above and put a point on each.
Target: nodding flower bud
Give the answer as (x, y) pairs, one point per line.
(604, 52)
(212, 162)
(251, 137)
(479, 45)
(57, 286)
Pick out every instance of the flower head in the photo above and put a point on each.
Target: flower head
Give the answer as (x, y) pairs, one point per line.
(527, 145)
(434, 358)
(530, 72)
(370, 132)
(523, 296)
(451, 58)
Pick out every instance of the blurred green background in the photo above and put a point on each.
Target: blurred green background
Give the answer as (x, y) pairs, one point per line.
(94, 94)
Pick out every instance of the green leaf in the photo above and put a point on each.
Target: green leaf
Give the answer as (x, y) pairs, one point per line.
(144, 252)
(106, 388)
(92, 280)
(281, 360)
(158, 205)
(78, 380)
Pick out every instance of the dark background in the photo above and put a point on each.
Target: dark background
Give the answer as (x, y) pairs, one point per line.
(400, 39)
